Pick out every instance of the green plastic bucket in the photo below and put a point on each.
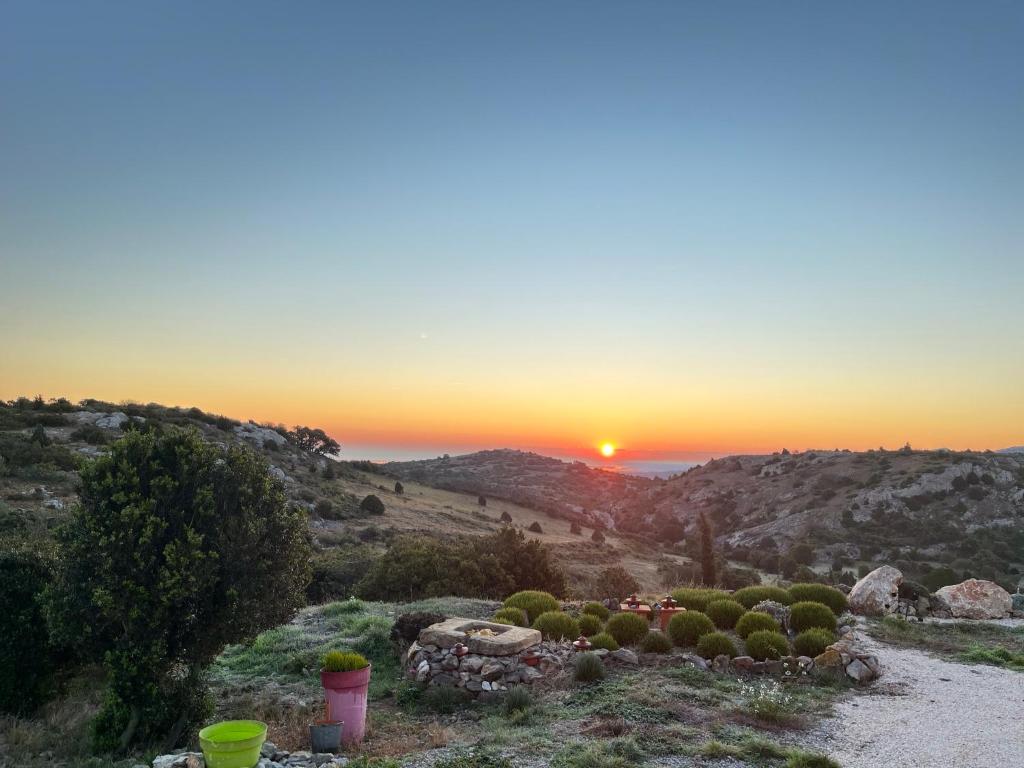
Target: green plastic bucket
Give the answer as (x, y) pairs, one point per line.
(233, 743)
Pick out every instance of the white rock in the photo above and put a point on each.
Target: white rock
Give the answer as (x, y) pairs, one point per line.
(977, 599)
(877, 594)
(112, 420)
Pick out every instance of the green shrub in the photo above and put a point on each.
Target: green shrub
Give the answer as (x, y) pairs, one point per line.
(514, 616)
(372, 505)
(444, 699)
(518, 699)
(596, 609)
(555, 625)
(25, 660)
(656, 642)
(753, 621)
(687, 628)
(724, 613)
(627, 628)
(806, 615)
(765, 644)
(748, 597)
(589, 624)
(714, 644)
(697, 598)
(604, 640)
(820, 593)
(810, 760)
(812, 642)
(589, 668)
(341, 661)
(533, 602)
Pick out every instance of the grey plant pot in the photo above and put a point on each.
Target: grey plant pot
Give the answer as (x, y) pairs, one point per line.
(325, 736)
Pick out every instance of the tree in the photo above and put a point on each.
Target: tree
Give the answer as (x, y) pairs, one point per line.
(575, 529)
(535, 527)
(802, 553)
(615, 582)
(372, 505)
(506, 517)
(597, 536)
(313, 440)
(25, 655)
(481, 500)
(39, 436)
(399, 488)
(176, 549)
(707, 551)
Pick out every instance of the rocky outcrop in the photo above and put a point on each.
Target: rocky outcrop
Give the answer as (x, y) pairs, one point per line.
(845, 659)
(270, 757)
(977, 599)
(112, 420)
(877, 594)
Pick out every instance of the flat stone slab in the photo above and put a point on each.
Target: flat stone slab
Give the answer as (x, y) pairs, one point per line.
(506, 640)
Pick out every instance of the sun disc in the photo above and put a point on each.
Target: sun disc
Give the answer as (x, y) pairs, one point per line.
(607, 450)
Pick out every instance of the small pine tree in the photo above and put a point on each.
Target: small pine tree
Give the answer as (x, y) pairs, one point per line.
(707, 551)
(481, 501)
(39, 436)
(506, 517)
(399, 488)
(535, 527)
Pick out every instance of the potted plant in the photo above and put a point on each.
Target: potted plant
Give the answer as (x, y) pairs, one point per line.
(346, 679)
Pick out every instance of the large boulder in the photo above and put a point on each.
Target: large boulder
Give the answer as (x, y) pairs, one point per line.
(977, 599)
(877, 594)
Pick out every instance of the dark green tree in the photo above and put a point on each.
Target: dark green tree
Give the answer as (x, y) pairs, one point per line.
(399, 488)
(372, 505)
(615, 582)
(177, 548)
(39, 436)
(481, 500)
(314, 440)
(707, 551)
(25, 657)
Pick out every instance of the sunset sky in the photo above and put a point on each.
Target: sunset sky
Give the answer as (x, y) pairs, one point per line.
(687, 229)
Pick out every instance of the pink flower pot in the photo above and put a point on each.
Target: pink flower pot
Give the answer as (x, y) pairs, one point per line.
(345, 695)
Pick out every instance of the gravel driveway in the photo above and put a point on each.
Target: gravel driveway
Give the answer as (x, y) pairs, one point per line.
(927, 713)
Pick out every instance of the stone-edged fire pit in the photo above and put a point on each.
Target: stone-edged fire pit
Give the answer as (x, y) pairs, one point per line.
(485, 638)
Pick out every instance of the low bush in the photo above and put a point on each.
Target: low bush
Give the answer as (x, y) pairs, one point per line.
(724, 613)
(589, 624)
(604, 640)
(754, 622)
(596, 609)
(341, 661)
(812, 642)
(820, 593)
(533, 602)
(372, 505)
(697, 598)
(807, 615)
(589, 668)
(748, 597)
(764, 644)
(555, 625)
(687, 628)
(511, 615)
(444, 700)
(714, 644)
(656, 642)
(518, 699)
(627, 628)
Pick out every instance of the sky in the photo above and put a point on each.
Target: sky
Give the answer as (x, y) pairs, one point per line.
(689, 229)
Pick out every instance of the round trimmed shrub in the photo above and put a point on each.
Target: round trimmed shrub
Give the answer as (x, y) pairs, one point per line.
(725, 613)
(714, 644)
(596, 609)
(514, 616)
(807, 615)
(812, 642)
(820, 593)
(656, 642)
(687, 628)
(697, 598)
(765, 644)
(589, 668)
(533, 602)
(753, 621)
(627, 628)
(589, 624)
(748, 597)
(604, 640)
(555, 625)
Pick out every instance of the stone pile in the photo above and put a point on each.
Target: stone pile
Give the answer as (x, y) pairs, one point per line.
(844, 659)
(270, 757)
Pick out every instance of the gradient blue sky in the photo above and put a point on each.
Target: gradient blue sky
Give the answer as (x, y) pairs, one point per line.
(686, 228)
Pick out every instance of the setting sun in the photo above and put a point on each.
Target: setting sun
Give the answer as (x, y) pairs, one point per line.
(607, 450)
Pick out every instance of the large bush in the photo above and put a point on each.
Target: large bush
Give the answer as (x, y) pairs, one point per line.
(697, 598)
(177, 549)
(589, 624)
(687, 628)
(807, 615)
(754, 621)
(627, 628)
(596, 609)
(766, 644)
(820, 593)
(714, 644)
(514, 616)
(604, 640)
(533, 601)
(656, 642)
(615, 582)
(751, 596)
(25, 658)
(812, 642)
(555, 625)
(724, 613)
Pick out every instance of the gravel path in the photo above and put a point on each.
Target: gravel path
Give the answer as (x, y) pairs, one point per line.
(927, 713)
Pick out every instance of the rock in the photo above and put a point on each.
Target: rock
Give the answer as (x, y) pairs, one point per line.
(277, 473)
(1018, 603)
(112, 420)
(877, 594)
(777, 611)
(450, 662)
(507, 641)
(408, 626)
(720, 664)
(260, 435)
(859, 671)
(745, 663)
(53, 504)
(472, 664)
(977, 599)
(423, 671)
(696, 661)
(319, 758)
(492, 671)
(180, 760)
(269, 749)
(625, 656)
